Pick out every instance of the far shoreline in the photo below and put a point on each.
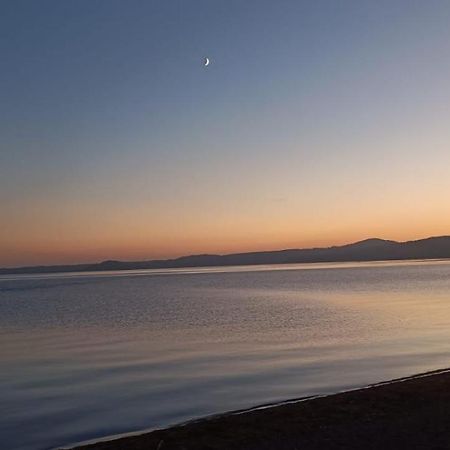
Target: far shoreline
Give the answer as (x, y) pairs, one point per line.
(372, 249)
(409, 412)
(228, 269)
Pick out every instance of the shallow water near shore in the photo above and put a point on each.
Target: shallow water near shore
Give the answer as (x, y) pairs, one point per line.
(89, 355)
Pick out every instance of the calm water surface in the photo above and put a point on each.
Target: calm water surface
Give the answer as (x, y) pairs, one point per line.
(88, 355)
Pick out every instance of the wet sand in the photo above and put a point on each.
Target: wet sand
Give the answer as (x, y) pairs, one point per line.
(410, 413)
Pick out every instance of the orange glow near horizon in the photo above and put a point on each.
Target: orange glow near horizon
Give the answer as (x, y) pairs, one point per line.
(63, 228)
(143, 244)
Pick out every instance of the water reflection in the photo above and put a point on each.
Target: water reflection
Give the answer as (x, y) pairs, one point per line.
(88, 356)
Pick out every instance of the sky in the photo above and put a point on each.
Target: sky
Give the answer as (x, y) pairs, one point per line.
(316, 123)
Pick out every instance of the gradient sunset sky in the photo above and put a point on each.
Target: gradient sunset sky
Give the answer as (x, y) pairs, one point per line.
(317, 123)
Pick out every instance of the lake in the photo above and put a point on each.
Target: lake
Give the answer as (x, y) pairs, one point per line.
(89, 355)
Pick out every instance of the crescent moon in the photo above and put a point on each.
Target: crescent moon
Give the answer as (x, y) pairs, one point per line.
(206, 62)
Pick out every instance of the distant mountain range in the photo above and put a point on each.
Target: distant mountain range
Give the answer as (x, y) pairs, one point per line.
(367, 250)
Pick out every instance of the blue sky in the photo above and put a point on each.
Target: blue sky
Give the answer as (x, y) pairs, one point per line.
(315, 123)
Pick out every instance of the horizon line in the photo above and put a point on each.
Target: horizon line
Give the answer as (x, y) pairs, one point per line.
(219, 255)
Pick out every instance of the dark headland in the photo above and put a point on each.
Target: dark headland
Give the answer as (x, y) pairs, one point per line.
(412, 413)
(367, 250)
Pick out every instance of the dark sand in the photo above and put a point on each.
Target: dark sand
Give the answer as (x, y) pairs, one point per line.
(413, 413)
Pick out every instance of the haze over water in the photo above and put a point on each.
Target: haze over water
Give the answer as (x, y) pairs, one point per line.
(89, 355)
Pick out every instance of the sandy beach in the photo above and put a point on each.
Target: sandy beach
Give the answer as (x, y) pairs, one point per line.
(409, 413)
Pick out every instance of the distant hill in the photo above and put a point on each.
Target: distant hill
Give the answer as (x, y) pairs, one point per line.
(367, 250)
